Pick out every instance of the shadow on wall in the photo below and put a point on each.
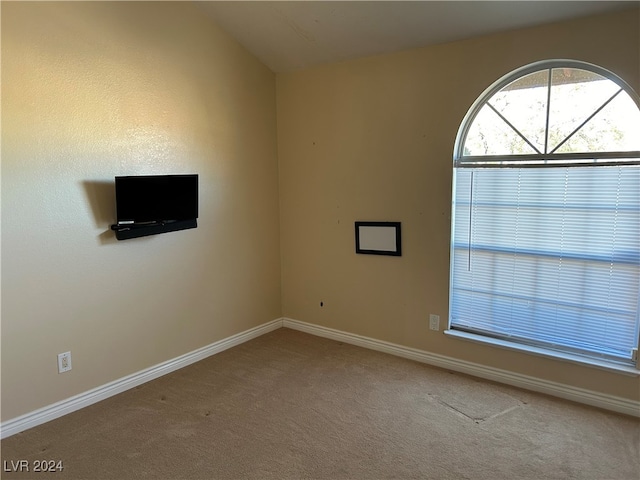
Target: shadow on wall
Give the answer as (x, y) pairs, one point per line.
(102, 198)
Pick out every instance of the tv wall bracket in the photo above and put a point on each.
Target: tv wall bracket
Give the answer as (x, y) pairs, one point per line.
(127, 231)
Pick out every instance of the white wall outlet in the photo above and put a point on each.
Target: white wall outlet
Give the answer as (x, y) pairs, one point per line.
(64, 362)
(434, 322)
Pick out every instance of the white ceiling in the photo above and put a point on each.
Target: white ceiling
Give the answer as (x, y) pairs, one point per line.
(290, 35)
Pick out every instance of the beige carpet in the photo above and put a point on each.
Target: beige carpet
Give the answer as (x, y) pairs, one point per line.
(289, 405)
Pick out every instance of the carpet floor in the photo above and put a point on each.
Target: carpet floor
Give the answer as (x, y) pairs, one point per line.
(289, 405)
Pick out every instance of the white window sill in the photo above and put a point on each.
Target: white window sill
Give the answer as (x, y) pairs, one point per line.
(564, 357)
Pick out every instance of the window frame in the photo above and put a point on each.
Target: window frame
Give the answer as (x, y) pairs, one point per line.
(529, 160)
(461, 160)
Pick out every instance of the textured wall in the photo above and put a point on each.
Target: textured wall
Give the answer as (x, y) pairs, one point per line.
(94, 90)
(372, 139)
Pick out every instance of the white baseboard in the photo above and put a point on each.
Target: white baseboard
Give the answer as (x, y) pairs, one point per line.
(51, 412)
(56, 410)
(580, 395)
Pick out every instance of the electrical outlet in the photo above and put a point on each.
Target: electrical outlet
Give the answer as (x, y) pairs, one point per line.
(434, 322)
(64, 362)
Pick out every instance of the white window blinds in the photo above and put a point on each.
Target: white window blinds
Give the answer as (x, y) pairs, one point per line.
(546, 246)
(549, 256)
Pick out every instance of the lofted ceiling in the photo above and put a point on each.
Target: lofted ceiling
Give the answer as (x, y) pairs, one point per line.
(291, 35)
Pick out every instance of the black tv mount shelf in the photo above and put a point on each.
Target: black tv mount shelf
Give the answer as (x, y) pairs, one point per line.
(127, 231)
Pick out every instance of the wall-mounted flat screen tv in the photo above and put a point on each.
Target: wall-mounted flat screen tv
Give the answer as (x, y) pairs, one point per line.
(143, 199)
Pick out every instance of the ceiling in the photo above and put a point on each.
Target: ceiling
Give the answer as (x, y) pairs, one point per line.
(291, 35)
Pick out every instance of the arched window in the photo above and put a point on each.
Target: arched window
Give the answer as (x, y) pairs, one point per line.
(545, 252)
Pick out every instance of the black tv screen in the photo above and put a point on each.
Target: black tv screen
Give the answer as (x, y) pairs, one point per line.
(156, 198)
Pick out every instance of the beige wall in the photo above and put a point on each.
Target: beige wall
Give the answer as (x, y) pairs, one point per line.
(372, 139)
(93, 90)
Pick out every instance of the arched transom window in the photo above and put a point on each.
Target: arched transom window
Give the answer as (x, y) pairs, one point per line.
(545, 252)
